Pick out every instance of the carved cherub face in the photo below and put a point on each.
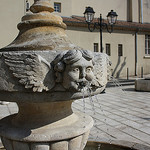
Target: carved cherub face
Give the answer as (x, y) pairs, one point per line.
(78, 75)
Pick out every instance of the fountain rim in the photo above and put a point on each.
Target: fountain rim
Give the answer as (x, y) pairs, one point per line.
(81, 125)
(42, 97)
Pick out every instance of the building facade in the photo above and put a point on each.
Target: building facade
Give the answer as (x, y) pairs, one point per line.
(128, 46)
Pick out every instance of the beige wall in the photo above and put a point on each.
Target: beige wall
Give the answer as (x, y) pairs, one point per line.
(135, 11)
(119, 6)
(146, 11)
(85, 39)
(80, 37)
(11, 12)
(77, 7)
(121, 63)
(143, 61)
(66, 7)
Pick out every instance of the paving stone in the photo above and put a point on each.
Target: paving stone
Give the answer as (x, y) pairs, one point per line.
(145, 129)
(138, 134)
(132, 124)
(143, 121)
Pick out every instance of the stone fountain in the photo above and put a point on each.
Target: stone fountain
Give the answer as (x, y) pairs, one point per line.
(43, 72)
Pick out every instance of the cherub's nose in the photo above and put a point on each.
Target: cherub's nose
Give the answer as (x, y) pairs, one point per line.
(83, 74)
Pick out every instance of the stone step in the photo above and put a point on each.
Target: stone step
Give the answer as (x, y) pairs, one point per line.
(120, 82)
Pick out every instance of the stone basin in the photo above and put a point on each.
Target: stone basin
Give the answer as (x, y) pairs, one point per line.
(142, 85)
(43, 72)
(38, 84)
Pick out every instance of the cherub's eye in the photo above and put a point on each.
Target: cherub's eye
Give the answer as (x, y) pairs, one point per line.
(76, 69)
(89, 69)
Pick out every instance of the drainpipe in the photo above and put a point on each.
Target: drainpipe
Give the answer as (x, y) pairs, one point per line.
(136, 53)
(141, 11)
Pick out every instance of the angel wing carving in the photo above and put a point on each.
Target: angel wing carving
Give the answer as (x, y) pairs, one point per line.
(32, 70)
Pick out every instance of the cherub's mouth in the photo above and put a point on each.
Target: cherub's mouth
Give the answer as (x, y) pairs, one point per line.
(83, 84)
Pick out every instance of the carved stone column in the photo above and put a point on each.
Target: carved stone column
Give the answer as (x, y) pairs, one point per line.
(43, 72)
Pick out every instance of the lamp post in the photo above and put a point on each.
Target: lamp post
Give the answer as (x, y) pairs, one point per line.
(111, 17)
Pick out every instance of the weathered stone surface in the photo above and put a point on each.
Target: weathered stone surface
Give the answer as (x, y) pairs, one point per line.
(75, 143)
(20, 145)
(42, 58)
(84, 139)
(52, 72)
(40, 146)
(66, 128)
(7, 143)
(63, 145)
(65, 134)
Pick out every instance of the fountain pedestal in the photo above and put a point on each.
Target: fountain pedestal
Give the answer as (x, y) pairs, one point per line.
(43, 72)
(45, 126)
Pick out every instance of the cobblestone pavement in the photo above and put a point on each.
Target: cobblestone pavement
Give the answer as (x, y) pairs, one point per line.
(120, 114)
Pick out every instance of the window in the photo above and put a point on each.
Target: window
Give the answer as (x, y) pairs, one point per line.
(57, 7)
(147, 44)
(95, 47)
(108, 49)
(120, 50)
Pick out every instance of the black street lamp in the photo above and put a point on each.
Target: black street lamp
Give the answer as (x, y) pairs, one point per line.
(111, 17)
